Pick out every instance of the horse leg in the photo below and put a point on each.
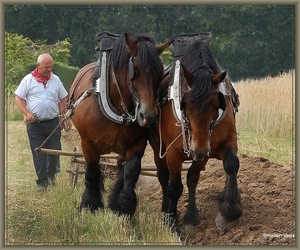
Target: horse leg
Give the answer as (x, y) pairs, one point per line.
(191, 217)
(94, 181)
(122, 199)
(175, 189)
(163, 178)
(171, 192)
(229, 199)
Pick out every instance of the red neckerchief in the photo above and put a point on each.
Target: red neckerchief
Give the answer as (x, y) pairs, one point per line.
(39, 78)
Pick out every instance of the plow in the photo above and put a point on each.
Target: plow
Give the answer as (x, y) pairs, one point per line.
(108, 164)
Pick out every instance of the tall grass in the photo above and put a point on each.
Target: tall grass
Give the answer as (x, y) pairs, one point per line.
(266, 118)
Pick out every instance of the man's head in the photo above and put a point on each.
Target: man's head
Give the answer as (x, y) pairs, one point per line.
(45, 65)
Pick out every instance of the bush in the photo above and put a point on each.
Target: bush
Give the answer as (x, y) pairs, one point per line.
(65, 73)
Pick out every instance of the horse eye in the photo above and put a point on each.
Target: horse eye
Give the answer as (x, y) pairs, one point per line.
(136, 73)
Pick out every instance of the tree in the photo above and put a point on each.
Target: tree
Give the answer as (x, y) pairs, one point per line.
(248, 40)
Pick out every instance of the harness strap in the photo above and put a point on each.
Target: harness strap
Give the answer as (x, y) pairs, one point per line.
(185, 146)
(160, 137)
(129, 116)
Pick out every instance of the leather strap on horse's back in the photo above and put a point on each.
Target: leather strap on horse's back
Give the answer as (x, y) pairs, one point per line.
(180, 42)
(106, 42)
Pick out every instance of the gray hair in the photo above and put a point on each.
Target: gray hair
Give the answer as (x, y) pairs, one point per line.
(42, 57)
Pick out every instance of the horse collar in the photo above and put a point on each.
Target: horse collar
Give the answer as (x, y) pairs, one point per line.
(174, 95)
(102, 92)
(175, 92)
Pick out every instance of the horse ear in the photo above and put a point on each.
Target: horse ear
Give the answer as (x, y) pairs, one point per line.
(131, 45)
(188, 76)
(160, 48)
(219, 77)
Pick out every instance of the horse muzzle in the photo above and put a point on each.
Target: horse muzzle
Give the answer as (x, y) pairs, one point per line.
(199, 155)
(145, 119)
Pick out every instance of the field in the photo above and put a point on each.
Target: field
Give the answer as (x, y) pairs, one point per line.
(265, 123)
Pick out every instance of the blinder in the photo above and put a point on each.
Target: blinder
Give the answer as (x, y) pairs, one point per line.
(182, 103)
(131, 75)
(222, 101)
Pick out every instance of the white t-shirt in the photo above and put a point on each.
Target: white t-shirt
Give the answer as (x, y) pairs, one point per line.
(42, 102)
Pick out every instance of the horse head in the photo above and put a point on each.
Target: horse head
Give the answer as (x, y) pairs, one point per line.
(145, 73)
(200, 105)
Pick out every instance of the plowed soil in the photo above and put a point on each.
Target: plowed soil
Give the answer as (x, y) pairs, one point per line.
(267, 197)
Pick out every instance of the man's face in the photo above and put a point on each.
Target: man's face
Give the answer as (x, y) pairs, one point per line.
(45, 67)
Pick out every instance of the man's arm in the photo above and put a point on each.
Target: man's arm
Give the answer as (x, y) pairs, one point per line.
(21, 104)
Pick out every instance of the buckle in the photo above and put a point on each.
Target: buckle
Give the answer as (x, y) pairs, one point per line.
(42, 120)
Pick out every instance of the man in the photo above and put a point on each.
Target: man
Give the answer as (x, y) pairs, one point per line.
(41, 97)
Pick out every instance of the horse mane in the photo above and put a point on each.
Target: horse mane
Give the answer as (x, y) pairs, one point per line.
(149, 61)
(199, 60)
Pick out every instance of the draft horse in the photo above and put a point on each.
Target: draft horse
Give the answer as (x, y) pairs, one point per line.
(196, 122)
(117, 121)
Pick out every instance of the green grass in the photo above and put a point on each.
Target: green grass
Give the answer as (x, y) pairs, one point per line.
(278, 150)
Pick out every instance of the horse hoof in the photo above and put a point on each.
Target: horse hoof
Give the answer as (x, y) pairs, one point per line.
(189, 227)
(224, 224)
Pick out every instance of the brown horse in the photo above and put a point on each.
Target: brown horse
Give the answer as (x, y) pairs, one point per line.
(196, 122)
(134, 74)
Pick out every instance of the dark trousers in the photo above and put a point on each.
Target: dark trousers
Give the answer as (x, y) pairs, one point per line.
(45, 164)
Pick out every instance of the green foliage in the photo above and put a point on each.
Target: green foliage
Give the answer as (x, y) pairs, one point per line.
(167, 56)
(248, 40)
(21, 55)
(65, 73)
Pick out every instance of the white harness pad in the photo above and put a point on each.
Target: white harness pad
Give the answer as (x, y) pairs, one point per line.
(175, 95)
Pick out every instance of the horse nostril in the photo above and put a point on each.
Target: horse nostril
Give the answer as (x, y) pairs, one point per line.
(199, 155)
(146, 118)
(144, 121)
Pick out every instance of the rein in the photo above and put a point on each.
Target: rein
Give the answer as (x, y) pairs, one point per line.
(160, 137)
